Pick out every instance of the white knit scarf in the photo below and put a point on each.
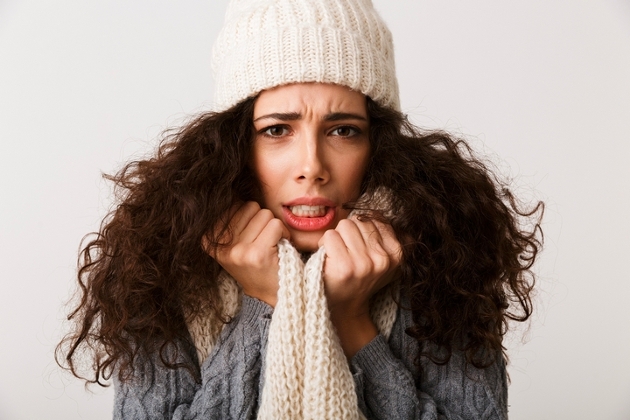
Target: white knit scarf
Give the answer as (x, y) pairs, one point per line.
(307, 375)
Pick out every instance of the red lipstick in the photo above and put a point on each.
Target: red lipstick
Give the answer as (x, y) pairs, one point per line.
(310, 223)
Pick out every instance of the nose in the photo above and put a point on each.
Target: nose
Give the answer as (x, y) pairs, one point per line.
(311, 162)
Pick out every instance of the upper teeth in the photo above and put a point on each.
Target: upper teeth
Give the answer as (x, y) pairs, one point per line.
(308, 211)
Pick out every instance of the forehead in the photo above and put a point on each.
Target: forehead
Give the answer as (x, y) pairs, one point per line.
(310, 98)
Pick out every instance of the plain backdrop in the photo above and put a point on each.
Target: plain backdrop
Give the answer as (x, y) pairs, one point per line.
(540, 87)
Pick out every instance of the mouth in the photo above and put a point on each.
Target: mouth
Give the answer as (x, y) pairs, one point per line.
(308, 211)
(310, 217)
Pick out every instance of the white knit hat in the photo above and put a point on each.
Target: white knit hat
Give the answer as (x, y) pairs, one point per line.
(268, 43)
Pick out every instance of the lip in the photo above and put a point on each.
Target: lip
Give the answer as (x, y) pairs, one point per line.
(309, 224)
(310, 201)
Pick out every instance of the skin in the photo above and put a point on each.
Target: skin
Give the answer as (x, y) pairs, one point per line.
(311, 147)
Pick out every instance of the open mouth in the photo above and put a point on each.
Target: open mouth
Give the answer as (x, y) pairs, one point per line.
(309, 218)
(308, 211)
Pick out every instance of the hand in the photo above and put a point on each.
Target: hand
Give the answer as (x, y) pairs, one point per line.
(250, 251)
(361, 258)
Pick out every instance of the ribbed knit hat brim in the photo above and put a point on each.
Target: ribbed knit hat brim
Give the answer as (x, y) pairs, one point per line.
(268, 43)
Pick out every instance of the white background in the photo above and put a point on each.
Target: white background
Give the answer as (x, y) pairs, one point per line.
(543, 87)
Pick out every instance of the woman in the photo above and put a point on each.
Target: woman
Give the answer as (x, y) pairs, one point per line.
(303, 251)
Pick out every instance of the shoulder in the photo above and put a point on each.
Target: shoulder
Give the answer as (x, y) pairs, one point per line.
(153, 388)
(456, 385)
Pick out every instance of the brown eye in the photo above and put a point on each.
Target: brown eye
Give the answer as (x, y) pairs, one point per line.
(276, 131)
(345, 131)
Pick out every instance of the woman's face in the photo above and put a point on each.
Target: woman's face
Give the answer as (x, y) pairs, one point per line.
(310, 152)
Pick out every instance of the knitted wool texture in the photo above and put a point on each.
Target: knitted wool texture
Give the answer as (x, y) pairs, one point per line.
(268, 43)
(307, 375)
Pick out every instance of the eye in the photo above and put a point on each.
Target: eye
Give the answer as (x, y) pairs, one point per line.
(345, 131)
(275, 131)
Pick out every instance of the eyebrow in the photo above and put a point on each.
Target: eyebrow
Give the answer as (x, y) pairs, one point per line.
(336, 116)
(292, 116)
(282, 116)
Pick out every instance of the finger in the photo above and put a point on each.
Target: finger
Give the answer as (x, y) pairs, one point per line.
(371, 236)
(242, 217)
(221, 231)
(370, 256)
(357, 241)
(285, 231)
(240, 214)
(234, 208)
(255, 226)
(352, 237)
(271, 233)
(381, 260)
(335, 246)
(390, 242)
(226, 219)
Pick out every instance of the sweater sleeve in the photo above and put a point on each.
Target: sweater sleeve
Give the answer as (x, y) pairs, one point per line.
(388, 384)
(230, 376)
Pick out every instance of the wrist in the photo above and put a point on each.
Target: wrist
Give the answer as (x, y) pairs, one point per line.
(260, 289)
(354, 332)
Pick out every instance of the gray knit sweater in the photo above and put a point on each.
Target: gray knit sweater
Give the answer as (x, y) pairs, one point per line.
(386, 380)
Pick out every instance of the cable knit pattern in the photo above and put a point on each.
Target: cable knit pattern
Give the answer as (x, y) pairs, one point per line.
(268, 43)
(386, 380)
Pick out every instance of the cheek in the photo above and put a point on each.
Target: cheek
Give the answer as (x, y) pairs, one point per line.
(269, 173)
(353, 172)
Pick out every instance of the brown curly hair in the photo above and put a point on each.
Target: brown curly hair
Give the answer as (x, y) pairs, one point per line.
(466, 253)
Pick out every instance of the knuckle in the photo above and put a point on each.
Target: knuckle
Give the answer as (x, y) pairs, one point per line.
(252, 205)
(364, 268)
(225, 238)
(265, 214)
(381, 265)
(344, 224)
(236, 253)
(255, 257)
(338, 272)
(248, 210)
(329, 235)
(345, 272)
(276, 224)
